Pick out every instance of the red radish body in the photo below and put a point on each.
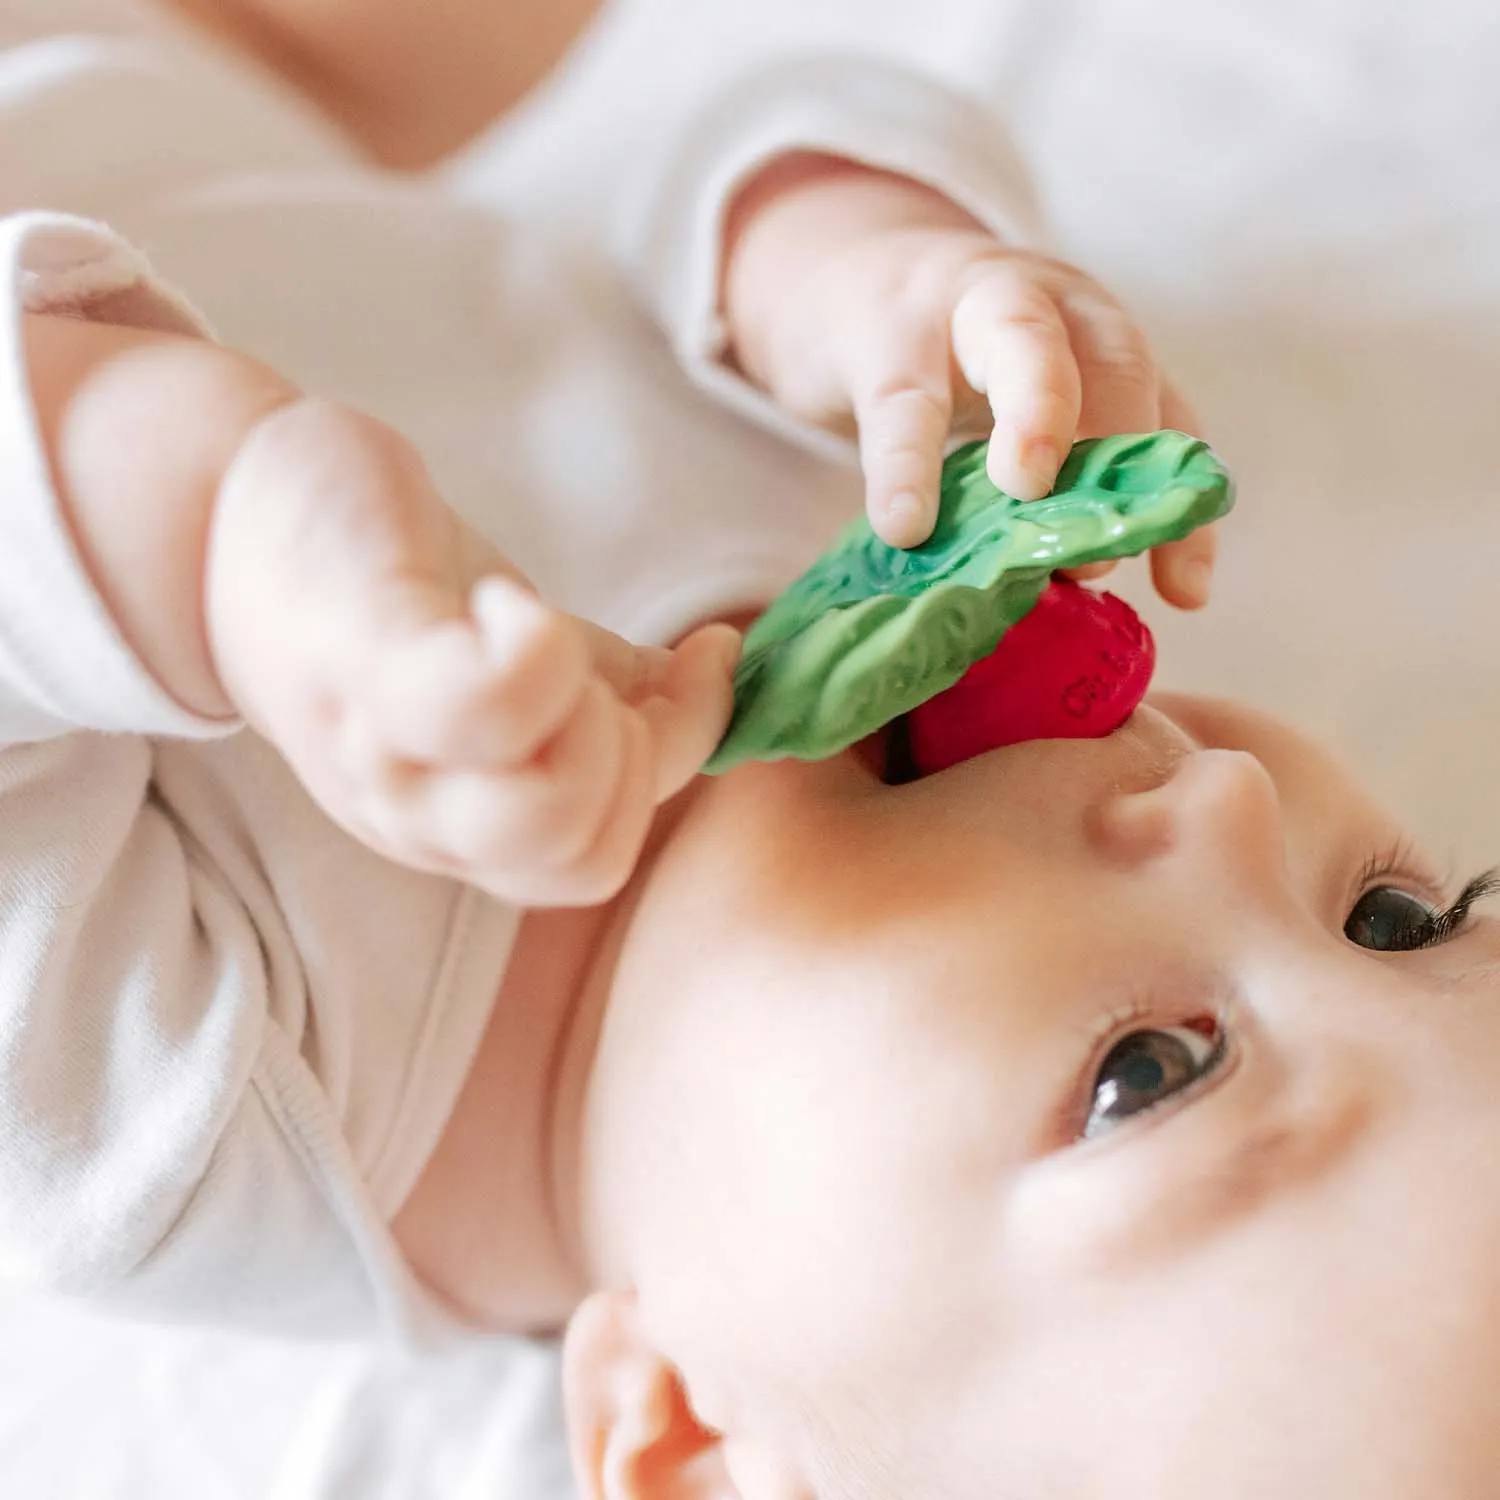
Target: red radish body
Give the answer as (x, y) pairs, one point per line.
(1074, 668)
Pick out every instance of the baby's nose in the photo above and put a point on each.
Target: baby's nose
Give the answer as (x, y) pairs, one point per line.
(1217, 812)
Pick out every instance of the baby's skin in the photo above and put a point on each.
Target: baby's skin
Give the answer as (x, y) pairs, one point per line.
(410, 81)
(1095, 1118)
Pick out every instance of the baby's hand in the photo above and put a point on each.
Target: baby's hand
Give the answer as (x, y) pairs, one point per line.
(429, 701)
(865, 301)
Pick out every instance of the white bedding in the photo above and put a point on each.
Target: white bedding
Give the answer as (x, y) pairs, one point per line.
(1302, 198)
(97, 1410)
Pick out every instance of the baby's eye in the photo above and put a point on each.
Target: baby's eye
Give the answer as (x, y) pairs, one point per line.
(1146, 1068)
(1387, 919)
(1390, 920)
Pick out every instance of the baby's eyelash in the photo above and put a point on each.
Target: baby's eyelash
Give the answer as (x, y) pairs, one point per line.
(1446, 923)
(1401, 862)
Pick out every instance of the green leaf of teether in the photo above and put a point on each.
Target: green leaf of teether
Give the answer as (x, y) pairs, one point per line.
(870, 631)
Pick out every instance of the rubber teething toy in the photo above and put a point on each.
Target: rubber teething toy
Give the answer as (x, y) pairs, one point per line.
(870, 631)
(1074, 667)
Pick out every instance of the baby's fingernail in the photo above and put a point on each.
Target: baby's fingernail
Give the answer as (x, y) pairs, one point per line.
(904, 505)
(905, 518)
(1040, 461)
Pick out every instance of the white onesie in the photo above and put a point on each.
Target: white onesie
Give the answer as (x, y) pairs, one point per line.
(230, 1036)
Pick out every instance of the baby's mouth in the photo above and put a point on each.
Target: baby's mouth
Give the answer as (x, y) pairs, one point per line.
(886, 754)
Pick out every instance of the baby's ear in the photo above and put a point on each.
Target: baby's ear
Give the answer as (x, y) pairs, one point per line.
(632, 1431)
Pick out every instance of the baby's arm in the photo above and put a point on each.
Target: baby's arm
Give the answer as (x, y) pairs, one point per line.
(138, 427)
(856, 240)
(278, 557)
(182, 535)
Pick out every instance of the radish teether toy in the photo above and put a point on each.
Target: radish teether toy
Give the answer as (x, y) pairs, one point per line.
(1075, 667)
(870, 632)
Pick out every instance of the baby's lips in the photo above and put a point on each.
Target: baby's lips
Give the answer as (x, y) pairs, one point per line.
(1074, 667)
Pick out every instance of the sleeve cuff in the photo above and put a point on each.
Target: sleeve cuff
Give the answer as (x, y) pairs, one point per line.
(866, 111)
(64, 664)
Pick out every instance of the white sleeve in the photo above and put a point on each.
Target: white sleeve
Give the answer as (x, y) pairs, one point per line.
(151, 1107)
(103, 961)
(671, 234)
(63, 662)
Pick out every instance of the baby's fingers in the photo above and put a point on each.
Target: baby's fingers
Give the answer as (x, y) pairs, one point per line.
(484, 689)
(564, 830)
(684, 697)
(903, 405)
(1012, 344)
(607, 862)
(1121, 385)
(688, 718)
(1183, 571)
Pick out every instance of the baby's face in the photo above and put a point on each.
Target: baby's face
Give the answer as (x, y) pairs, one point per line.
(1101, 1118)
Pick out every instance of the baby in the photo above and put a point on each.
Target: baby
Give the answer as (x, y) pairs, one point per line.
(1062, 1123)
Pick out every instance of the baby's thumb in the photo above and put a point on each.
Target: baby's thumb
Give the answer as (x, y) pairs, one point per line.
(685, 695)
(689, 717)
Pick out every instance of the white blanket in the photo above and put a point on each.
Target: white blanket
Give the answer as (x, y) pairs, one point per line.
(98, 1410)
(1303, 202)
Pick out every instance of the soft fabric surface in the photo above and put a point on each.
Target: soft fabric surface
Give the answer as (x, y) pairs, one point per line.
(96, 1410)
(1302, 202)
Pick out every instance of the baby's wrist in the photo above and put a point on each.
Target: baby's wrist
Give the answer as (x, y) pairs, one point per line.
(291, 493)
